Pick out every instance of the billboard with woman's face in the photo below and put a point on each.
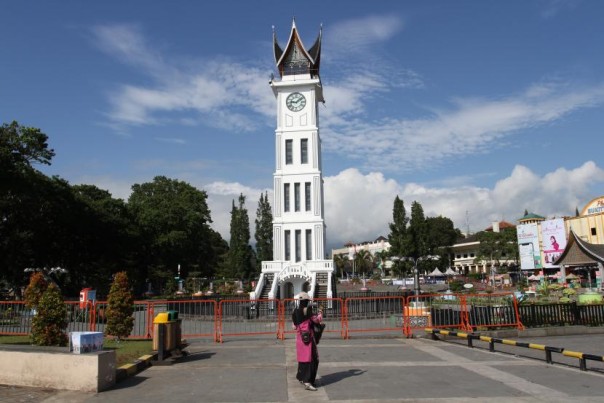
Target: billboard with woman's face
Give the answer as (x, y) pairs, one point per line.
(553, 237)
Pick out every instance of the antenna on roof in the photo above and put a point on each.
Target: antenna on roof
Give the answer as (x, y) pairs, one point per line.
(467, 223)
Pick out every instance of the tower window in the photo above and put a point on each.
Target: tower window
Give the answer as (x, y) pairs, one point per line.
(289, 154)
(298, 245)
(296, 196)
(286, 197)
(593, 232)
(307, 195)
(287, 244)
(308, 244)
(304, 151)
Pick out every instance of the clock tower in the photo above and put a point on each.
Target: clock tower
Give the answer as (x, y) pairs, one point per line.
(298, 218)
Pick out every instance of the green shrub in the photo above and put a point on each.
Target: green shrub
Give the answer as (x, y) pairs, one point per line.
(456, 285)
(49, 324)
(564, 299)
(120, 308)
(36, 287)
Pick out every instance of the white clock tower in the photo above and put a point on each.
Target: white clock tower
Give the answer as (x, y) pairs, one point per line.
(298, 218)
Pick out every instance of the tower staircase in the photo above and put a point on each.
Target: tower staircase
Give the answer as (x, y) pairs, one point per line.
(268, 282)
(321, 286)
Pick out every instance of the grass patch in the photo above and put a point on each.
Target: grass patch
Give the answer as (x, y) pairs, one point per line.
(126, 351)
(15, 340)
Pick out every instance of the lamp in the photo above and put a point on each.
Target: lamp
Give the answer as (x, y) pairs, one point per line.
(415, 261)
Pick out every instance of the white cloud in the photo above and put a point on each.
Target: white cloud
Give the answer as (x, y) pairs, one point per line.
(171, 140)
(206, 89)
(126, 42)
(359, 35)
(551, 8)
(471, 126)
(358, 207)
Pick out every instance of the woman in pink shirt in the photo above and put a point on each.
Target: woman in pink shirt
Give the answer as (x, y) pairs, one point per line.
(306, 348)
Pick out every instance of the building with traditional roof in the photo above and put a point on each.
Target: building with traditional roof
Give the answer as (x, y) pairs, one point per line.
(580, 254)
(298, 210)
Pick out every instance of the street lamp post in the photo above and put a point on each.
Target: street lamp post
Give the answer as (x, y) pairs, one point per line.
(416, 281)
(415, 261)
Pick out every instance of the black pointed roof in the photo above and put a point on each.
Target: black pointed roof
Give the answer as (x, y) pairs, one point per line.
(295, 58)
(579, 252)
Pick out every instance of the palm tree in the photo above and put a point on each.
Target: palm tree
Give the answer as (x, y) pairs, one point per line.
(380, 258)
(363, 260)
(340, 261)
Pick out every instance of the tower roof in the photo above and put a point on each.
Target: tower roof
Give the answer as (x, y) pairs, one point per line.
(295, 58)
(531, 217)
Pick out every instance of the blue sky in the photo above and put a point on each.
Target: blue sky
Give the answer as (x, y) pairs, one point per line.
(476, 109)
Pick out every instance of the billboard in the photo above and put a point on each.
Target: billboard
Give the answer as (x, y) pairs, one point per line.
(553, 237)
(528, 246)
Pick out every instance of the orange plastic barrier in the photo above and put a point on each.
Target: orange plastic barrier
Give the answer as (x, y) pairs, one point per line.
(233, 318)
(374, 314)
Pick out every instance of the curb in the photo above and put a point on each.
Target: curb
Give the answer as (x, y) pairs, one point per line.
(134, 368)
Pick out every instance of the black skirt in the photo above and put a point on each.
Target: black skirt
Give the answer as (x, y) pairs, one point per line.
(307, 371)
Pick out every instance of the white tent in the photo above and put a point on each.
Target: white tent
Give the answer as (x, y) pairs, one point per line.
(436, 273)
(450, 272)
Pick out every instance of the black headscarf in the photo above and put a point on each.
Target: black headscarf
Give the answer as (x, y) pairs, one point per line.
(298, 316)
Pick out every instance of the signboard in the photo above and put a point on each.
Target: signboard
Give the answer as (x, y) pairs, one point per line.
(553, 237)
(85, 342)
(595, 206)
(528, 246)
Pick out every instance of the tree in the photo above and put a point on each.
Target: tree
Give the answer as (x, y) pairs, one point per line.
(381, 258)
(240, 255)
(21, 146)
(21, 204)
(497, 246)
(418, 232)
(398, 237)
(109, 241)
(398, 228)
(340, 261)
(363, 260)
(35, 289)
(120, 308)
(264, 232)
(49, 324)
(442, 235)
(174, 219)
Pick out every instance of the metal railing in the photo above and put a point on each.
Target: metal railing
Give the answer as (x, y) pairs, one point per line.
(393, 315)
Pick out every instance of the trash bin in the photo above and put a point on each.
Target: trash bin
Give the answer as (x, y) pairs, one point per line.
(178, 332)
(172, 315)
(162, 318)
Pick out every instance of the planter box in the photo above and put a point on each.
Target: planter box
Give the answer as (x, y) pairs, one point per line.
(56, 368)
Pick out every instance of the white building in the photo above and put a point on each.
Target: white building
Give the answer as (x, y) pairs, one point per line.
(298, 219)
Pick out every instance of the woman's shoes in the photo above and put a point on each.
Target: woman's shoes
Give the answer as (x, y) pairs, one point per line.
(309, 386)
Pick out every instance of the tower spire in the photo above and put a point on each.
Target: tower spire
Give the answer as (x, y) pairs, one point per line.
(294, 58)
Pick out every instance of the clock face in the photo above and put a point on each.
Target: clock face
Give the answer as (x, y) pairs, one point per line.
(295, 102)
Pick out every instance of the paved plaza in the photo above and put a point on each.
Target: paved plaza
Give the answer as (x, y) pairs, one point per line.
(355, 370)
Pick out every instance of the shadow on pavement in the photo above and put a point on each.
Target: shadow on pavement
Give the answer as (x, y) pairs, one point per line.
(338, 376)
(196, 356)
(129, 382)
